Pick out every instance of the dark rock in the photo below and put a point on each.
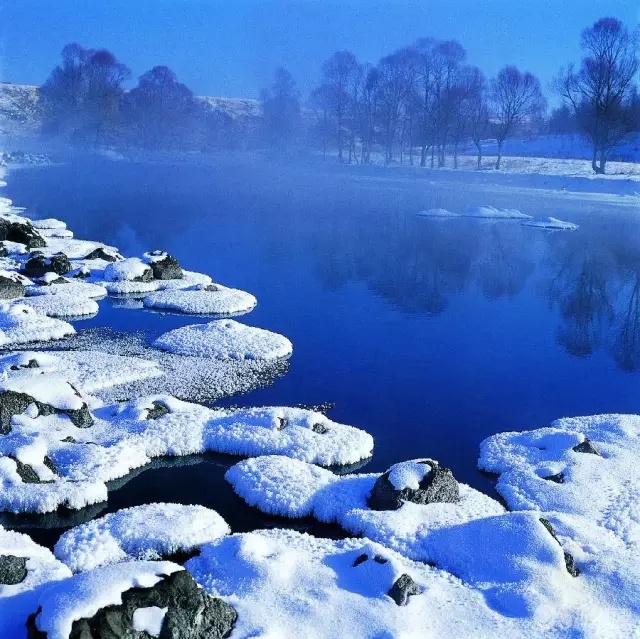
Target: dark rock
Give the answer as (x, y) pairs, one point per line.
(101, 254)
(38, 265)
(4, 228)
(569, 561)
(211, 288)
(14, 403)
(10, 288)
(282, 423)
(82, 273)
(26, 473)
(380, 560)
(147, 276)
(24, 233)
(557, 478)
(191, 614)
(321, 429)
(69, 440)
(167, 268)
(13, 570)
(3, 251)
(586, 447)
(360, 559)
(32, 363)
(438, 485)
(159, 409)
(403, 588)
(50, 465)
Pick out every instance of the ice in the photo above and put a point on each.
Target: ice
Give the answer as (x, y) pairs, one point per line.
(21, 324)
(490, 212)
(88, 371)
(73, 288)
(150, 532)
(437, 213)
(551, 223)
(149, 620)
(63, 305)
(125, 436)
(288, 585)
(225, 339)
(49, 223)
(83, 595)
(221, 301)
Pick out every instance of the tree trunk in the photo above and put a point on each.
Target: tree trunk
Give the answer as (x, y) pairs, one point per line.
(455, 155)
(479, 147)
(594, 158)
(499, 155)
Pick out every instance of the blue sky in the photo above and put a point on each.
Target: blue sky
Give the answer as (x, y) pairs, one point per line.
(231, 47)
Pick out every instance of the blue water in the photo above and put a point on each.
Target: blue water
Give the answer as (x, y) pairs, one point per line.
(429, 334)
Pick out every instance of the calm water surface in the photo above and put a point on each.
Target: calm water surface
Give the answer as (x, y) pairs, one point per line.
(429, 334)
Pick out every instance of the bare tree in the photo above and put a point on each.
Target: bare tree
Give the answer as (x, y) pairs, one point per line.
(281, 111)
(515, 97)
(599, 91)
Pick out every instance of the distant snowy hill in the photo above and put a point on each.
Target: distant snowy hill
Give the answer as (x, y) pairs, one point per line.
(20, 114)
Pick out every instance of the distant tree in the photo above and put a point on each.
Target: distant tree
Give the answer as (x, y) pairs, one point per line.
(476, 115)
(515, 97)
(82, 96)
(160, 110)
(340, 75)
(369, 108)
(601, 90)
(281, 111)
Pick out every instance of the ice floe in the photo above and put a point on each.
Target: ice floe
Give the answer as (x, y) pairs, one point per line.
(492, 213)
(149, 532)
(213, 299)
(63, 305)
(225, 339)
(551, 224)
(437, 213)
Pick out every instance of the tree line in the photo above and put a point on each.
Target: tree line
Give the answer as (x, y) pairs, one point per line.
(422, 104)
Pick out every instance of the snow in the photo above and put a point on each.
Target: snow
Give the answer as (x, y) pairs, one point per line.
(83, 595)
(21, 324)
(70, 287)
(149, 620)
(437, 213)
(189, 279)
(225, 339)
(490, 212)
(49, 224)
(222, 301)
(551, 223)
(88, 371)
(63, 305)
(594, 510)
(52, 391)
(127, 287)
(123, 438)
(288, 585)
(18, 601)
(125, 270)
(408, 474)
(147, 532)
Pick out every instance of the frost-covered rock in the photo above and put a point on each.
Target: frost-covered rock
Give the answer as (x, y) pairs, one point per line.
(163, 265)
(21, 324)
(104, 602)
(10, 286)
(21, 231)
(225, 339)
(422, 481)
(551, 224)
(50, 224)
(104, 253)
(150, 532)
(211, 299)
(38, 264)
(131, 269)
(65, 306)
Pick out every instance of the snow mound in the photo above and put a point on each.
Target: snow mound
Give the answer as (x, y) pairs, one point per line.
(219, 301)
(149, 532)
(286, 584)
(581, 474)
(72, 288)
(225, 339)
(189, 280)
(83, 595)
(408, 474)
(437, 213)
(131, 288)
(21, 324)
(64, 305)
(126, 270)
(492, 213)
(551, 223)
(49, 223)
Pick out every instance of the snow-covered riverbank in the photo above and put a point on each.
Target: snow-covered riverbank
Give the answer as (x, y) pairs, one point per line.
(434, 557)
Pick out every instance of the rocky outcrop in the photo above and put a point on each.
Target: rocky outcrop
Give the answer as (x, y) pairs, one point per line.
(15, 403)
(403, 588)
(10, 288)
(13, 570)
(586, 447)
(191, 614)
(21, 232)
(165, 266)
(569, 561)
(159, 409)
(37, 265)
(101, 254)
(437, 485)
